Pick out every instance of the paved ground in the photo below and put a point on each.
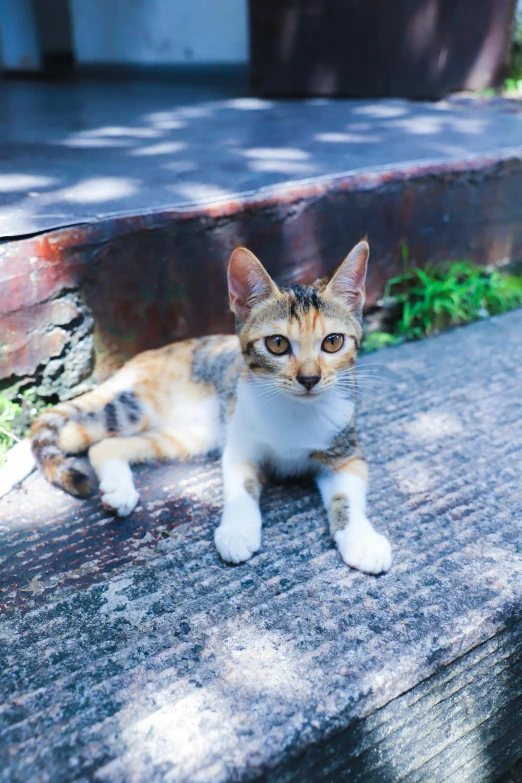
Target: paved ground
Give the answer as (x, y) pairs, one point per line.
(70, 152)
(130, 653)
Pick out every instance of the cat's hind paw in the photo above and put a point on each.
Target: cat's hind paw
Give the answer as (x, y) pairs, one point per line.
(237, 544)
(366, 550)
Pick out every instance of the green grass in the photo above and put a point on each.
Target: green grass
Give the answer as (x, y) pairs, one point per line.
(440, 296)
(16, 415)
(513, 86)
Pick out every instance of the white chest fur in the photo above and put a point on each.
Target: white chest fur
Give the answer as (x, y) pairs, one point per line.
(282, 430)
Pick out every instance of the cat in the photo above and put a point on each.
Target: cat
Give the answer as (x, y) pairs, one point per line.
(277, 398)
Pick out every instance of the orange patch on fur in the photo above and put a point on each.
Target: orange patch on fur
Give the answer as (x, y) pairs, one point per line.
(356, 466)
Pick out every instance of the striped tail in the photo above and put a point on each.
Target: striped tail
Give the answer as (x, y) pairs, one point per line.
(59, 468)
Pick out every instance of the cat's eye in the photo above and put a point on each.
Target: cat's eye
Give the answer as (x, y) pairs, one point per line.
(277, 344)
(333, 343)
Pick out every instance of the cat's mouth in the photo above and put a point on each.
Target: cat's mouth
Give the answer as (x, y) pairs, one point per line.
(306, 395)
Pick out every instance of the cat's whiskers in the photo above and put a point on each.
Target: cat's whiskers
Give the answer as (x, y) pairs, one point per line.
(268, 394)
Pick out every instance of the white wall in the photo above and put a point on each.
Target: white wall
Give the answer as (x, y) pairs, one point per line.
(160, 32)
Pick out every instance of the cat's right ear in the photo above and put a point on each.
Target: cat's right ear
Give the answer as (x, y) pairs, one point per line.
(248, 282)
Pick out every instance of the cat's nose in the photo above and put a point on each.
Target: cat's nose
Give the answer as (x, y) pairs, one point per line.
(308, 381)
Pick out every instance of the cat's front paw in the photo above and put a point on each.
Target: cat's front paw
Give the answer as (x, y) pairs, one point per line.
(121, 501)
(120, 497)
(365, 550)
(238, 543)
(118, 493)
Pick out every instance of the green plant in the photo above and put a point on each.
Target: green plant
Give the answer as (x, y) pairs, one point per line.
(376, 340)
(443, 295)
(15, 417)
(9, 411)
(514, 85)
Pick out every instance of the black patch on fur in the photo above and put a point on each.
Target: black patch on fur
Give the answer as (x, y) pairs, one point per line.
(111, 417)
(78, 483)
(220, 369)
(303, 299)
(261, 361)
(344, 446)
(131, 406)
(256, 360)
(43, 438)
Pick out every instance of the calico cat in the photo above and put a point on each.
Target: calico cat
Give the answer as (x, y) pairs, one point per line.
(277, 398)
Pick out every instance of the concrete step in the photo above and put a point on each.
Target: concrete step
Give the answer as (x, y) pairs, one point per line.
(130, 652)
(121, 203)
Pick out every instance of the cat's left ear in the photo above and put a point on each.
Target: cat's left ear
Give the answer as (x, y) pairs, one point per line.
(347, 282)
(248, 282)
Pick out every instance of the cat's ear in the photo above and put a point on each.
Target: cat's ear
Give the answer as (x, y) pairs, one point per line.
(347, 282)
(248, 282)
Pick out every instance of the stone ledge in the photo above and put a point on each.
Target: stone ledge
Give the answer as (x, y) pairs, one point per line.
(160, 275)
(131, 653)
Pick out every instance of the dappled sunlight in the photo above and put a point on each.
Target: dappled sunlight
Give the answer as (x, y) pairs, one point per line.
(412, 477)
(169, 124)
(469, 124)
(276, 153)
(135, 148)
(110, 131)
(98, 189)
(200, 191)
(279, 159)
(194, 112)
(433, 425)
(94, 143)
(426, 124)
(163, 148)
(248, 104)
(21, 218)
(282, 166)
(348, 138)
(196, 729)
(164, 120)
(11, 183)
(423, 125)
(382, 111)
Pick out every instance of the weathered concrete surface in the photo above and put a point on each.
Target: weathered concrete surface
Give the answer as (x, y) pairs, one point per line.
(131, 654)
(79, 150)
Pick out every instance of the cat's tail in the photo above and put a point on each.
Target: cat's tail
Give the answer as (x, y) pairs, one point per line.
(58, 467)
(70, 428)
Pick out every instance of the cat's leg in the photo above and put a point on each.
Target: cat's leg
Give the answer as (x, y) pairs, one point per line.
(102, 413)
(239, 534)
(344, 496)
(111, 459)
